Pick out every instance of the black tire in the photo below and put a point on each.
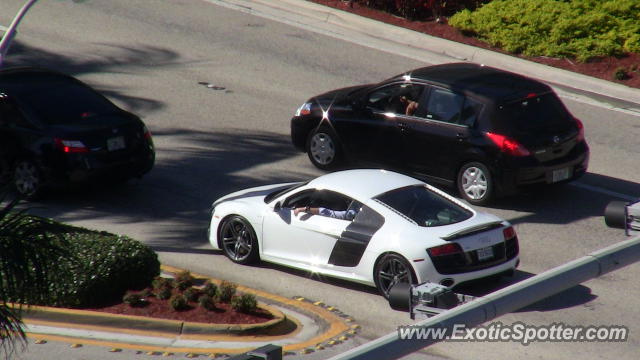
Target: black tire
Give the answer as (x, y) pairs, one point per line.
(238, 240)
(27, 179)
(392, 269)
(475, 183)
(323, 149)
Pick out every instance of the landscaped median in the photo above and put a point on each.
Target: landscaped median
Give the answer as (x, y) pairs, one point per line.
(298, 325)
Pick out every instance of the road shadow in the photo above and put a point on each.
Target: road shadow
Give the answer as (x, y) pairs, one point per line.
(181, 187)
(116, 59)
(571, 297)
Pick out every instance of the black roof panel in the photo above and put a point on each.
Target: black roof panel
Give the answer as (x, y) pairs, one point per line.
(481, 80)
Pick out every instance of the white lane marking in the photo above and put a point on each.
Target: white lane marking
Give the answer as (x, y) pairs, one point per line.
(604, 191)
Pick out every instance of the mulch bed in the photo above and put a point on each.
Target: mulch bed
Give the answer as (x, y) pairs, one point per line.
(603, 68)
(157, 308)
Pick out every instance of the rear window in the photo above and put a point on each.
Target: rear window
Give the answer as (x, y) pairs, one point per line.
(539, 114)
(423, 206)
(60, 102)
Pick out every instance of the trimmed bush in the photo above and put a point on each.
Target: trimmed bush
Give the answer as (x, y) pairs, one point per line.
(206, 301)
(178, 302)
(580, 29)
(134, 299)
(184, 280)
(192, 294)
(246, 303)
(100, 267)
(164, 293)
(160, 282)
(227, 290)
(210, 288)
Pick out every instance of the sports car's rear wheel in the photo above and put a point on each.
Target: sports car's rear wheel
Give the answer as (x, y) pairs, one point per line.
(239, 241)
(390, 270)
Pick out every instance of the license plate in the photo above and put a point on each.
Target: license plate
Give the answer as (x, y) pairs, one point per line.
(560, 174)
(485, 253)
(115, 143)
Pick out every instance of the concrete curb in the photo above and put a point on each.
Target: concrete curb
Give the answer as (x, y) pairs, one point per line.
(351, 27)
(132, 324)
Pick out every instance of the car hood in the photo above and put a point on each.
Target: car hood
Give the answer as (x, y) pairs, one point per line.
(252, 194)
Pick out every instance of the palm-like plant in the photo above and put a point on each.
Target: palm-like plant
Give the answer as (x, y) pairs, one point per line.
(25, 244)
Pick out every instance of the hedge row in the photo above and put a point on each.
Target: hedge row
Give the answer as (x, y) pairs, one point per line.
(422, 9)
(580, 29)
(98, 268)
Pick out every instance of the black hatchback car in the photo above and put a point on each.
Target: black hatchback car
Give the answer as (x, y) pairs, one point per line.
(486, 131)
(55, 130)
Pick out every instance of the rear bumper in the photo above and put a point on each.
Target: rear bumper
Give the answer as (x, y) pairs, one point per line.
(81, 168)
(513, 177)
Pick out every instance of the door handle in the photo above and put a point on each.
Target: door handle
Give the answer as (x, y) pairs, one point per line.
(402, 126)
(460, 137)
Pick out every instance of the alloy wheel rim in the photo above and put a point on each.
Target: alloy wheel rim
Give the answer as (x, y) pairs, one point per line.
(237, 239)
(26, 178)
(391, 272)
(474, 183)
(322, 148)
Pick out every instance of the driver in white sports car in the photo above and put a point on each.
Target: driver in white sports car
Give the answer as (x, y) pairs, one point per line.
(348, 214)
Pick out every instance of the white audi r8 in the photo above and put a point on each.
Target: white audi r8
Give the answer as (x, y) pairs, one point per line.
(399, 230)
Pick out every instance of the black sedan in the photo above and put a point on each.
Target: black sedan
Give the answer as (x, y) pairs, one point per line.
(56, 130)
(486, 131)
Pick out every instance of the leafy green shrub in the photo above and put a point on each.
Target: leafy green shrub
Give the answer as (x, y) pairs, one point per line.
(100, 267)
(246, 303)
(178, 302)
(207, 302)
(184, 280)
(210, 288)
(227, 290)
(134, 299)
(164, 293)
(580, 29)
(192, 294)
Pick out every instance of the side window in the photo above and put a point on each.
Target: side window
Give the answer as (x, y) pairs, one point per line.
(470, 112)
(443, 105)
(398, 98)
(301, 199)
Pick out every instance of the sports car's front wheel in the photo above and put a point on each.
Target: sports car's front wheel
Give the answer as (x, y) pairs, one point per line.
(390, 270)
(239, 241)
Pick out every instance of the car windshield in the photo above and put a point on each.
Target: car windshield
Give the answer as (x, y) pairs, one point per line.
(423, 206)
(61, 102)
(537, 114)
(281, 191)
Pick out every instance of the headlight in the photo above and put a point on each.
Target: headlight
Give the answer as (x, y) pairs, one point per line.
(305, 109)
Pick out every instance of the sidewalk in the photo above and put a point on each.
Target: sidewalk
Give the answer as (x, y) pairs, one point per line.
(353, 28)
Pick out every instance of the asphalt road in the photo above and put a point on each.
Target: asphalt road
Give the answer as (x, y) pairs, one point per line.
(150, 56)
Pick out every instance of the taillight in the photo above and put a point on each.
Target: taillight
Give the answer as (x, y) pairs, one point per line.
(70, 146)
(580, 136)
(509, 233)
(507, 145)
(146, 133)
(446, 249)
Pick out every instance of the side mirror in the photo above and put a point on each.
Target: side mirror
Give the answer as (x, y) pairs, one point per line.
(277, 207)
